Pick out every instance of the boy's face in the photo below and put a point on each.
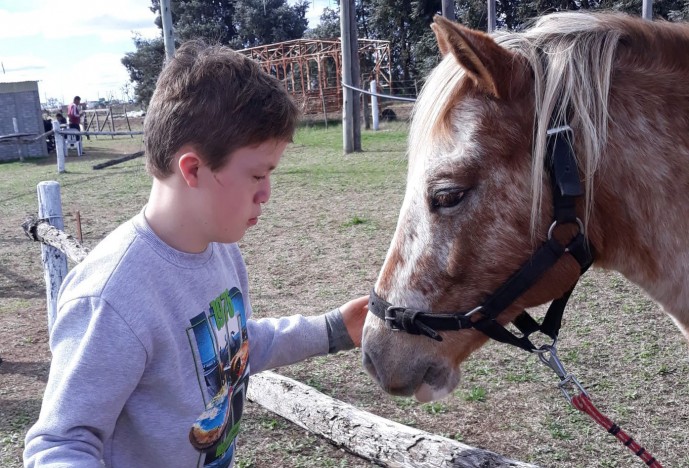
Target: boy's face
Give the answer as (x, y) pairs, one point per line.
(234, 194)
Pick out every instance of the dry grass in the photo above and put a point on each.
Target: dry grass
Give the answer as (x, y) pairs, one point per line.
(322, 240)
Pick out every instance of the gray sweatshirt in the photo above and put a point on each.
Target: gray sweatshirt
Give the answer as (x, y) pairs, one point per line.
(152, 352)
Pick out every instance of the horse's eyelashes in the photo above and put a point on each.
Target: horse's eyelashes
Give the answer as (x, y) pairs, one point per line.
(446, 198)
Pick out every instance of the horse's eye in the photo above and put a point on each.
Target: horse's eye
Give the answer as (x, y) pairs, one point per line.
(446, 198)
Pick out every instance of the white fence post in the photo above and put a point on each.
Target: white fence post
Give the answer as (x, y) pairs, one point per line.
(60, 149)
(54, 261)
(374, 105)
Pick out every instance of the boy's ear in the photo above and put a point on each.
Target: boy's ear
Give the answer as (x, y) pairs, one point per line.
(189, 164)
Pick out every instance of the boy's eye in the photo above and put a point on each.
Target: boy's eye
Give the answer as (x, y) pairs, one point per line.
(259, 178)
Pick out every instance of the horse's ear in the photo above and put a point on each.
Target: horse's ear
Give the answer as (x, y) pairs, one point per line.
(490, 66)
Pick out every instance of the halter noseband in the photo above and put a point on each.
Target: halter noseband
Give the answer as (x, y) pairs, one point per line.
(564, 175)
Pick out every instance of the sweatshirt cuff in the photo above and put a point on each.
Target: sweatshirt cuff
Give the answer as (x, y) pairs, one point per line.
(338, 337)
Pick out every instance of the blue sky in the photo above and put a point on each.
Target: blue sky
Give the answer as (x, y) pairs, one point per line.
(74, 47)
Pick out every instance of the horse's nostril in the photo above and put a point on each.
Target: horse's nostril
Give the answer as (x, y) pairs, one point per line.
(435, 376)
(368, 365)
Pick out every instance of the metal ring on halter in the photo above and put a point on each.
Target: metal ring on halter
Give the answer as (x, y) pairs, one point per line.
(555, 223)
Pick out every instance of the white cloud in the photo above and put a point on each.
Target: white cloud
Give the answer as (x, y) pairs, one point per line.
(95, 76)
(63, 19)
(71, 46)
(61, 43)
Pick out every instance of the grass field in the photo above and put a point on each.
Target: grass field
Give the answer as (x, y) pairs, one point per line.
(320, 242)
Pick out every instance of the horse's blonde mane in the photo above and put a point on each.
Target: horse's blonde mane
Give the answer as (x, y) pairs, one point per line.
(428, 122)
(571, 55)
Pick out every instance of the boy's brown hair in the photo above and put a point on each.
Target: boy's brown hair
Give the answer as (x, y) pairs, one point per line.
(216, 100)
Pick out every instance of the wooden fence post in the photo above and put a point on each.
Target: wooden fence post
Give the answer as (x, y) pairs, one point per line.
(60, 148)
(54, 261)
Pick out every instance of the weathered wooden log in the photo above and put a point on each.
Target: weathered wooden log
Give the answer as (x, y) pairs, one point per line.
(112, 162)
(40, 230)
(67, 132)
(364, 434)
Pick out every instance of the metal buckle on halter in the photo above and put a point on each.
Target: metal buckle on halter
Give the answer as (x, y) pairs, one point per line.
(391, 317)
(404, 319)
(554, 363)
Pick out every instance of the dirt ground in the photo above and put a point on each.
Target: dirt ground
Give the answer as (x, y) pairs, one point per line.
(321, 242)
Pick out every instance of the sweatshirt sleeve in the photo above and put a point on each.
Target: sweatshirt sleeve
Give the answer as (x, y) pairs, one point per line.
(97, 362)
(275, 342)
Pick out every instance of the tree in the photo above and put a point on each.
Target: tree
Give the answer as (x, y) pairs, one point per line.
(261, 22)
(329, 26)
(406, 24)
(211, 20)
(239, 23)
(144, 66)
(515, 14)
(51, 103)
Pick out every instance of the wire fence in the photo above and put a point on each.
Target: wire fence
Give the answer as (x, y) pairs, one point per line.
(391, 104)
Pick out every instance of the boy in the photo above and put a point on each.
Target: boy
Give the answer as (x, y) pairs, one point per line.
(152, 344)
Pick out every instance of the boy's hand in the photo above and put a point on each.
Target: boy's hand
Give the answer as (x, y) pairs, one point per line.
(353, 315)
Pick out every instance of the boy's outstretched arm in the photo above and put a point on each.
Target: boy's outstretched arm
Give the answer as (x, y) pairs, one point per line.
(275, 342)
(354, 315)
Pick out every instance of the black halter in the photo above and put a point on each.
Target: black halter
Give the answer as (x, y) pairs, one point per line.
(562, 167)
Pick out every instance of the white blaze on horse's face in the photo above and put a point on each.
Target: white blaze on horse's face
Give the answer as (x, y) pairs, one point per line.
(432, 170)
(464, 222)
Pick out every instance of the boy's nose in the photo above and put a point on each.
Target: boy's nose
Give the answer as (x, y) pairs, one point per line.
(263, 195)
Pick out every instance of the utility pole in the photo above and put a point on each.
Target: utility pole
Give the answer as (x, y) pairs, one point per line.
(356, 78)
(449, 9)
(347, 94)
(647, 9)
(491, 16)
(168, 32)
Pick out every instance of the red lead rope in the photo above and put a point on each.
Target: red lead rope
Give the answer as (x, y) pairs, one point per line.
(583, 403)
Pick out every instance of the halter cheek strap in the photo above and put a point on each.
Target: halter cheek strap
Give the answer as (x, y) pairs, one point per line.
(567, 188)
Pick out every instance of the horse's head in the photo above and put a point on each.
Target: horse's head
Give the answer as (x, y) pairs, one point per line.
(467, 221)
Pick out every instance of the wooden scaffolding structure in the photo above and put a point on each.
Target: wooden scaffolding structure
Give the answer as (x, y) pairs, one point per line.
(310, 69)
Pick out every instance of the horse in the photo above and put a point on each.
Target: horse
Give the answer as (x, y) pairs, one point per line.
(556, 147)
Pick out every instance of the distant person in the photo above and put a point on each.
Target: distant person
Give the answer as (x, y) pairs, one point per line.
(47, 128)
(47, 123)
(74, 114)
(61, 119)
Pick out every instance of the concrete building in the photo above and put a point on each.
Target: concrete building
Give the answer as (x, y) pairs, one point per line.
(20, 102)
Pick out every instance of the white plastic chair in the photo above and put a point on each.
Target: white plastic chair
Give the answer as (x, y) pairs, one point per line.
(71, 142)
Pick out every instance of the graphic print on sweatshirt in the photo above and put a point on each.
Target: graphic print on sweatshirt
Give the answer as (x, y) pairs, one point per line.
(223, 352)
